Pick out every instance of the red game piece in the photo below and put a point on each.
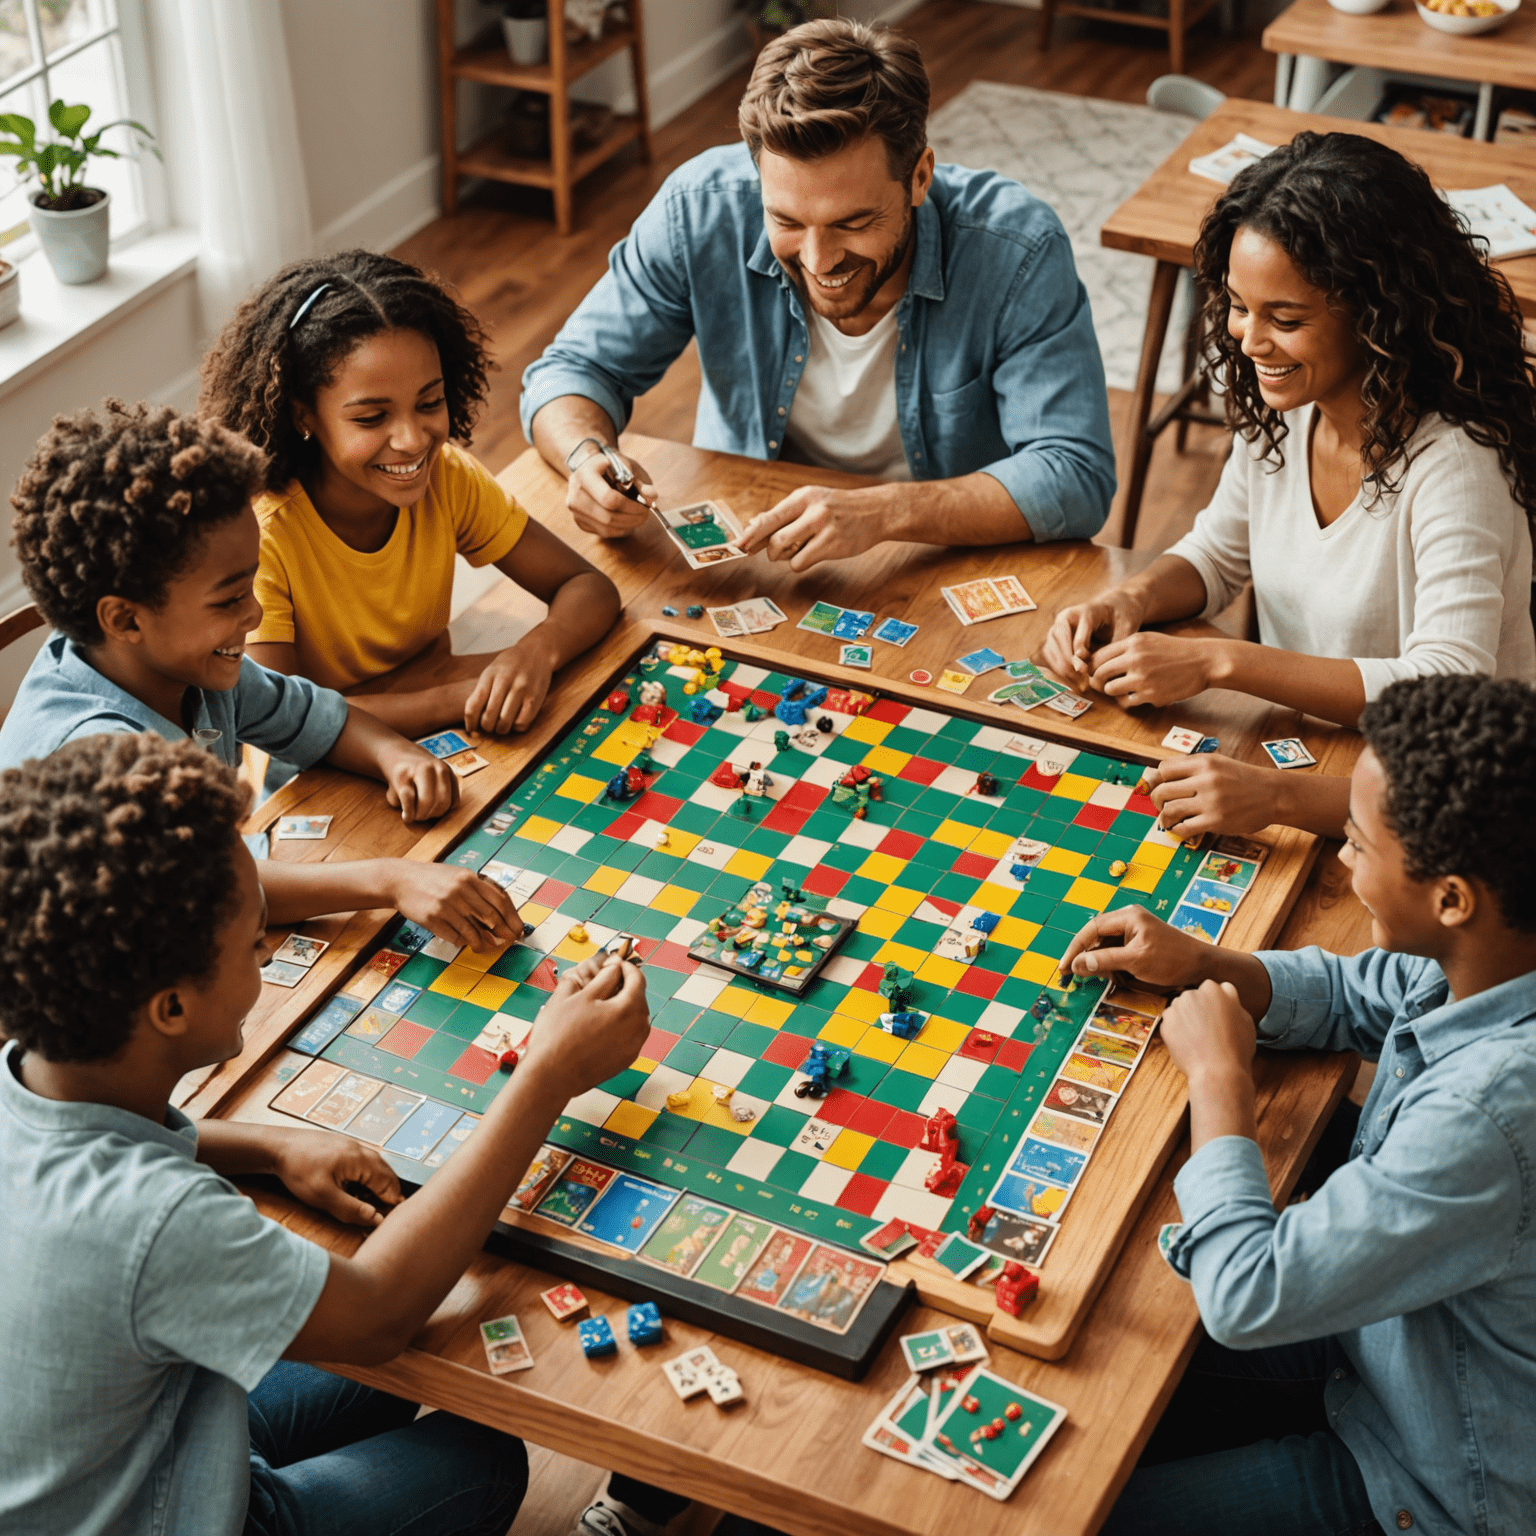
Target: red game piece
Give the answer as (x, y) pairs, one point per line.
(991, 1432)
(997, 1424)
(647, 714)
(970, 1404)
(946, 1176)
(1016, 1288)
(725, 777)
(945, 1441)
(1013, 1411)
(854, 777)
(983, 1038)
(507, 1061)
(618, 701)
(940, 1131)
(978, 1222)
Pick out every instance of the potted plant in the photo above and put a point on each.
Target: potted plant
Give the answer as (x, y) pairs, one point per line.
(768, 18)
(525, 26)
(70, 218)
(10, 292)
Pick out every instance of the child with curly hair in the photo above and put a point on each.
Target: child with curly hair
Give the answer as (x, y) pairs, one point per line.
(155, 1376)
(1380, 492)
(137, 541)
(359, 377)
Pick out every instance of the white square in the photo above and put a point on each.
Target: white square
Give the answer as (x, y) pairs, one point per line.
(712, 855)
(652, 1093)
(640, 889)
(939, 912)
(647, 832)
(1116, 796)
(570, 839)
(863, 834)
(816, 1138)
(826, 1181)
(745, 676)
(786, 1099)
(1055, 760)
(915, 1167)
(991, 737)
(592, 1107)
(767, 728)
(733, 724)
(900, 1203)
(684, 672)
(550, 931)
(955, 781)
(755, 1159)
(838, 907)
(669, 753)
(685, 930)
(728, 1067)
(712, 797)
(942, 1096)
(843, 969)
(703, 987)
(960, 1072)
(1001, 1019)
(823, 772)
(805, 850)
(1163, 838)
(929, 721)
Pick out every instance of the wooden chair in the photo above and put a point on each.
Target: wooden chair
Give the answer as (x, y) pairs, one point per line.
(1182, 15)
(20, 621)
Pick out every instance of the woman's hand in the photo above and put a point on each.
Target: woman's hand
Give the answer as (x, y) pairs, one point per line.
(1112, 615)
(1148, 668)
(511, 689)
(1211, 793)
(317, 1166)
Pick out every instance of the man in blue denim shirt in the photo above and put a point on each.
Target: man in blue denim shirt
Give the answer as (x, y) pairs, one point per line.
(1404, 1290)
(855, 308)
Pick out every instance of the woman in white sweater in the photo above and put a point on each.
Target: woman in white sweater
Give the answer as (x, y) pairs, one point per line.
(1380, 488)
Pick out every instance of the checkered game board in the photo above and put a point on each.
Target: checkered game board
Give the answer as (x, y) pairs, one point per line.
(930, 849)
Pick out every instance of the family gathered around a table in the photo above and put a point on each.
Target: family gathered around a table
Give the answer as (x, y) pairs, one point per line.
(240, 575)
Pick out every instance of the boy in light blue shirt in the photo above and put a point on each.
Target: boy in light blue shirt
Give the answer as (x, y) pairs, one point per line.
(151, 1375)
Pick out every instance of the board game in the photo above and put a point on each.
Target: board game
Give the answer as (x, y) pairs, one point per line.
(924, 1066)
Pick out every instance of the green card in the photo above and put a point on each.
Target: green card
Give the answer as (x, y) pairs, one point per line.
(735, 1249)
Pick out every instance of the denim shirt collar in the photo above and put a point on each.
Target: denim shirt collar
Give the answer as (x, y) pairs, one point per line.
(1441, 1025)
(76, 670)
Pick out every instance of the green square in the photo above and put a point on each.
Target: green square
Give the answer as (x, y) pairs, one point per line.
(905, 1090)
(1076, 839)
(805, 1021)
(976, 759)
(1048, 883)
(791, 1171)
(707, 907)
(626, 1084)
(711, 1028)
(432, 1009)
(421, 970)
(996, 1083)
(861, 946)
(727, 888)
(440, 1052)
(956, 729)
(765, 1080)
(1022, 800)
(953, 887)
(596, 851)
(713, 1144)
(694, 818)
(1130, 899)
(918, 822)
(972, 813)
(979, 1114)
(824, 825)
(750, 1039)
(998, 958)
(627, 856)
(1132, 826)
(467, 1020)
(842, 750)
(845, 857)
(670, 1131)
(675, 1017)
(934, 856)
(649, 924)
(777, 1125)
(943, 749)
(596, 817)
(689, 1056)
(1052, 941)
(863, 1075)
(692, 877)
(961, 1006)
(862, 890)
(765, 840)
(1058, 810)
(1092, 766)
(900, 793)
(1015, 993)
(917, 934)
(883, 1159)
(525, 1002)
(621, 915)
(903, 738)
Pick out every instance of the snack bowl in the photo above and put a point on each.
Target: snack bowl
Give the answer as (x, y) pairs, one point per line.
(1359, 7)
(1465, 26)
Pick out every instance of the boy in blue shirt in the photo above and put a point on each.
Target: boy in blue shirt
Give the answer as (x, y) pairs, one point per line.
(138, 543)
(1377, 1341)
(146, 1296)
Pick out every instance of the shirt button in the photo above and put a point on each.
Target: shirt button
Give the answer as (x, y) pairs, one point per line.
(1404, 1520)
(773, 445)
(799, 358)
(781, 410)
(1399, 1072)
(1338, 1375)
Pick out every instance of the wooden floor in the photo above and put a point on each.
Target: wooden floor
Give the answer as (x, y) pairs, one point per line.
(522, 279)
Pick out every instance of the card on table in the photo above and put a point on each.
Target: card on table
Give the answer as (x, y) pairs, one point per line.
(506, 1349)
(1227, 869)
(1022, 1238)
(1069, 704)
(851, 624)
(1289, 752)
(965, 1343)
(1091, 1104)
(1026, 1196)
(958, 1255)
(349, 1095)
(281, 974)
(734, 1253)
(821, 618)
(1116, 1020)
(417, 1137)
(831, 1288)
(461, 1132)
(984, 660)
(308, 1088)
(951, 681)
(685, 1235)
(888, 1241)
(386, 1113)
(1199, 922)
(627, 1212)
(777, 1264)
(1096, 1074)
(326, 1025)
(855, 656)
(466, 763)
(1109, 1048)
(444, 743)
(292, 829)
(689, 1374)
(1182, 739)
(727, 622)
(574, 1191)
(396, 997)
(1064, 1130)
(987, 1458)
(972, 602)
(564, 1301)
(760, 614)
(299, 950)
(1040, 1159)
(548, 1164)
(707, 533)
(894, 631)
(888, 1436)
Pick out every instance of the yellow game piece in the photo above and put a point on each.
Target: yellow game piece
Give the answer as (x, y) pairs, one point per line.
(677, 1101)
(577, 932)
(690, 687)
(662, 839)
(1118, 868)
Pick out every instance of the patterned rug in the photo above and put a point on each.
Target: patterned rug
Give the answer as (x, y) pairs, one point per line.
(1084, 157)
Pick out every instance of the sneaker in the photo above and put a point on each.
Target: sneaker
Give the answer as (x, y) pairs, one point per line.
(608, 1517)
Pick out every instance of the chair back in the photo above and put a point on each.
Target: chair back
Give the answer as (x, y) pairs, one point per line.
(1185, 95)
(20, 621)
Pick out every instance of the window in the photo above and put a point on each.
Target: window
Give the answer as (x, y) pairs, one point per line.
(70, 50)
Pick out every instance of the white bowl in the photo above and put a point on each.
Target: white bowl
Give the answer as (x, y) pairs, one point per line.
(1359, 7)
(1465, 26)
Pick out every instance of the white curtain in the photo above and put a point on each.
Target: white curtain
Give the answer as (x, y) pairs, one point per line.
(252, 198)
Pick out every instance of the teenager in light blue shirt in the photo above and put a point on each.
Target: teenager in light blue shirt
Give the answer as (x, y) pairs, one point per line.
(1377, 1341)
(931, 316)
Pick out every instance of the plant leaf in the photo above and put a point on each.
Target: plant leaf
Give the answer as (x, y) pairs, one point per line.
(68, 121)
(21, 127)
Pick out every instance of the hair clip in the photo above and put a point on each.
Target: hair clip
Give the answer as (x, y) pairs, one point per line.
(307, 305)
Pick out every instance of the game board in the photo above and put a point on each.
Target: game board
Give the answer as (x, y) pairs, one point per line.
(407, 1052)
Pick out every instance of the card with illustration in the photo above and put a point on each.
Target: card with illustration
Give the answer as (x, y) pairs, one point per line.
(1064, 1130)
(386, 1113)
(463, 1129)
(685, 1235)
(831, 1288)
(973, 602)
(467, 763)
(958, 1255)
(707, 533)
(1026, 692)
(574, 1191)
(505, 1347)
(299, 950)
(444, 744)
(889, 1436)
(371, 980)
(431, 1122)
(343, 1101)
(1022, 1238)
(1198, 922)
(984, 660)
(951, 681)
(308, 1088)
(627, 1212)
(302, 829)
(1115, 1020)
(821, 618)
(851, 624)
(1182, 739)
(734, 1253)
(1069, 704)
(727, 622)
(1026, 1196)
(889, 1241)
(1095, 1074)
(1042, 1160)
(965, 1343)
(372, 1023)
(1228, 870)
(1109, 1048)
(281, 974)
(1213, 896)
(894, 631)
(326, 1025)
(995, 1462)
(856, 656)
(397, 997)
(548, 1164)
(1288, 753)
(769, 1277)
(923, 1351)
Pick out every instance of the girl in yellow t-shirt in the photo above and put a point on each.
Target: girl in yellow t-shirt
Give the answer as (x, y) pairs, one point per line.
(358, 375)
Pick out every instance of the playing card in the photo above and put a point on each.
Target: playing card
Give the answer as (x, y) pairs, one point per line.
(1289, 752)
(965, 1343)
(548, 1164)
(1182, 739)
(959, 1255)
(1021, 1238)
(972, 602)
(851, 624)
(505, 1348)
(894, 631)
(301, 951)
(389, 1110)
(888, 1241)
(922, 1351)
(951, 681)
(1069, 704)
(627, 1212)
(986, 1456)
(685, 1235)
(759, 614)
(687, 1374)
(733, 1254)
(574, 1191)
(855, 656)
(326, 1025)
(778, 1263)
(466, 763)
(308, 1088)
(564, 1301)
(707, 533)
(281, 974)
(727, 622)
(302, 828)
(831, 1288)
(444, 743)
(1012, 592)
(724, 1388)
(980, 661)
(821, 618)
(343, 1101)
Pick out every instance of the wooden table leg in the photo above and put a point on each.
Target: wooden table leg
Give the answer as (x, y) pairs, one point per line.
(1483, 127)
(1165, 282)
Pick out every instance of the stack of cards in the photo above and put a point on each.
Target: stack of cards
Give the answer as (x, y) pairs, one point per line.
(453, 749)
(753, 617)
(701, 1371)
(707, 533)
(1225, 876)
(992, 597)
(302, 828)
(506, 1349)
(1028, 687)
(839, 623)
(291, 962)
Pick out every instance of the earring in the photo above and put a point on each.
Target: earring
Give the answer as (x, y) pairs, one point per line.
(304, 435)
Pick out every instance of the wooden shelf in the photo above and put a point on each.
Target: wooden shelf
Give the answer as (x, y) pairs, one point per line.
(1192, 13)
(487, 157)
(488, 61)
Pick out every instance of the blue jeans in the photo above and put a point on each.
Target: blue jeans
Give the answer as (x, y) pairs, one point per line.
(1245, 1446)
(332, 1458)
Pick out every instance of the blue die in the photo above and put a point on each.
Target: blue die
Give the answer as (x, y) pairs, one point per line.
(644, 1323)
(596, 1337)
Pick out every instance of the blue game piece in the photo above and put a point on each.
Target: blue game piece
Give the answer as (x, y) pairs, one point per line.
(668, 611)
(618, 786)
(644, 1323)
(596, 1337)
(702, 712)
(904, 1024)
(695, 610)
(790, 711)
(1021, 872)
(984, 922)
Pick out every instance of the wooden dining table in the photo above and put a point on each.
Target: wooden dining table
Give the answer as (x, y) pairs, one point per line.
(789, 1456)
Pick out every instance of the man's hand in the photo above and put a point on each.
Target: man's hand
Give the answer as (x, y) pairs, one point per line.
(1130, 939)
(317, 1166)
(1112, 615)
(594, 1025)
(599, 506)
(456, 904)
(418, 784)
(1211, 1038)
(511, 689)
(816, 523)
(1147, 668)
(1211, 793)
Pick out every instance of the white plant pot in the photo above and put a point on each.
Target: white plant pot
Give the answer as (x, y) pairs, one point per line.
(10, 292)
(76, 242)
(527, 40)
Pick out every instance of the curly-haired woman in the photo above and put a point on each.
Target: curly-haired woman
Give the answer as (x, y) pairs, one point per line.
(1380, 493)
(358, 376)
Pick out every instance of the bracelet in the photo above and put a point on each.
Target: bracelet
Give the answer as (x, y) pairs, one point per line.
(597, 446)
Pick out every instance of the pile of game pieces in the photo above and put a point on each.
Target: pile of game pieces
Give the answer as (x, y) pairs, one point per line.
(839, 623)
(990, 597)
(450, 747)
(700, 1370)
(1289, 752)
(784, 943)
(752, 617)
(707, 533)
(305, 829)
(1028, 687)
(506, 1349)
(1182, 739)
(290, 963)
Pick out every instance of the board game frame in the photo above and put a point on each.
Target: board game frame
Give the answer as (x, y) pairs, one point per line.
(1147, 1124)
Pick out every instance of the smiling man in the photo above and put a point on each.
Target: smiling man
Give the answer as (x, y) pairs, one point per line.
(856, 307)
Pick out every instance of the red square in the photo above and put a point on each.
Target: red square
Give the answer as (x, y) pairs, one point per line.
(474, 1066)
(839, 1106)
(978, 982)
(973, 1051)
(786, 1050)
(1097, 817)
(949, 908)
(1034, 779)
(646, 948)
(870, 977)
(552, 893)
(872, 1118)
(658, 1043)
(544, 976)
(654, 807)
(905, 1129)
(862, 1194)
(673, 957)
(804, 796)
(764, 700)
(974, 865)
(788, 819)
(1013, 1054)
(921, 770)
(888, 710)
(405, 1039)
(1143, 805)
(625, 827)
(684, 731)
(825, 881)
(900, 845)
(734, 690)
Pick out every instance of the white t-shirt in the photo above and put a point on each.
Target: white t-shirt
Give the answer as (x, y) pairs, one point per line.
(844, 412)
(1434, 578)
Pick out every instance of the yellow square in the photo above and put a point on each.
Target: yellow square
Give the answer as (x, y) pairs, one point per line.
(644, 1064)
(633, 733)
(574, 949)
(701, 1100)
(955, 834)
(878, 1045)
(457, 981)
(897, 899)
(751, 866)
(632, 1120)
(492, 992)
(772, 1012)
(674, 900)
(922, 1060)
(884, 867)
(841, 1030)
(991, 844)
(680, 844)
(734, 1001)
(1037, 968)
(538, 829)
(903, 955)
(994, 898)
(870, 732)
(1063, 861)
(479, 959)
(941, 972)
(606, 881)
(578, 787)
(1075, 786)
(886, 760)
(1154, 855)
(1015, 932)
(945, 1035)
(533, 914)
(718, 1114)
(880, 922)
(1140, 878)
(849, 1149)
(1090, 893)
(614, 751)
(860, 1004)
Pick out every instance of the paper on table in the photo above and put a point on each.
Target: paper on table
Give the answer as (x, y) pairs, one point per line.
(1498, 218)
(1236, 155)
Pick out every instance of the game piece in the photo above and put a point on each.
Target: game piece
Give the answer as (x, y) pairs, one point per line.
(302, 828)
(694, 610)
(506, 1350)
(920, 676)
(986, 785)
(662, 839)
(668, 611)
(1117, 868)
(596, 1336)
(939, 1131)
(577, 933)
(1013, 1412)
(506, 1061)
(702, 712)
(653, 693)
(1289, 752)
(951, 681)
(618, 701)
(757, 782)
(970, 1404)
(625, 784)
(743, 1114)
(824, 725)
(689, 1374)
(904, 1024)
(1182, 739)
(781, 741)
(677, 1101)
(565, 1301)
(807, 739)
(821, 1065)
(724, 1389)
(895, 986)
(751, 712)
(977, 1222)
(643, 1323)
